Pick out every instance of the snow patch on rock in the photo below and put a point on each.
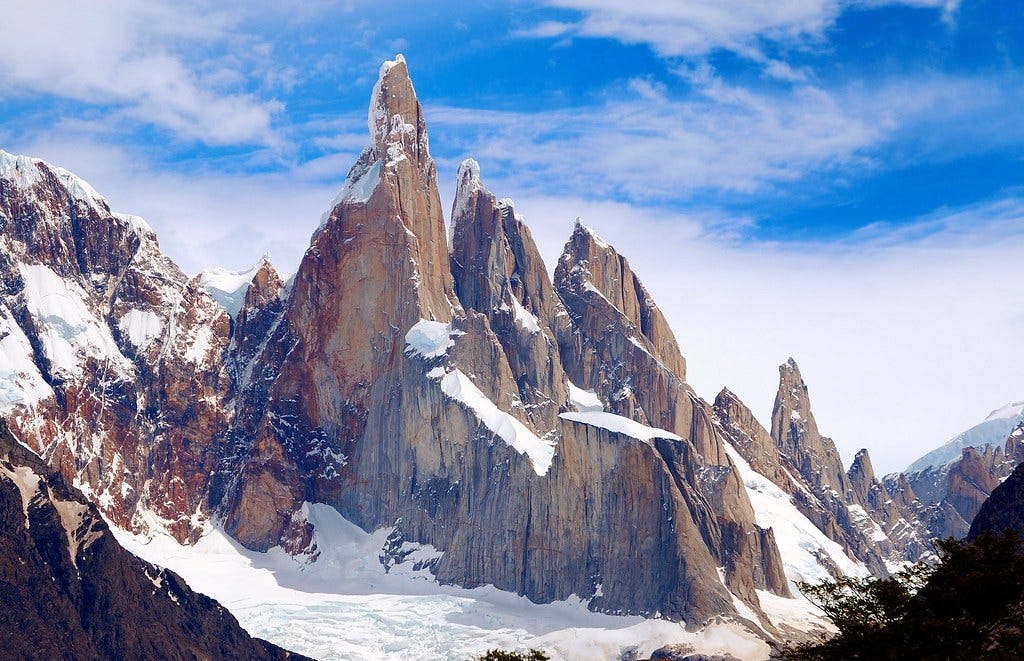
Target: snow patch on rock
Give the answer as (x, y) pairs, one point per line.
(459, 387)
(430, 339)
(524, 317)
(67, 330)
(27, 482)
(228, 288)
(141, 327)
(21, 382)
(619, 424)
(584, 400)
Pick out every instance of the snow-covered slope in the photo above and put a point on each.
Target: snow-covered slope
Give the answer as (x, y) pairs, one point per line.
(346, 605)
(228, 287)
(993, 430)
(808, 555)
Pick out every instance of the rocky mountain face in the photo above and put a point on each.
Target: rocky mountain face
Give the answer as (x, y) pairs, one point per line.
(538, 432)
(952, 492)
(1004, 509)
(68, 590)
(112, 365)
(434, 392)
(850, 506)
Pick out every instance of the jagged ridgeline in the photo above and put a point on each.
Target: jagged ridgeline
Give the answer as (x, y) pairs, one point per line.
(539, 433)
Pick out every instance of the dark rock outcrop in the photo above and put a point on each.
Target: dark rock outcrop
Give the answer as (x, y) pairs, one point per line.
(68, 590)
(1004, 508)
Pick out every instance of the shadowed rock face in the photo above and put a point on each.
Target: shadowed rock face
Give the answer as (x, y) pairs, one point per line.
(68, 590)
(118, 355)
(1004, 509)
(952, 494)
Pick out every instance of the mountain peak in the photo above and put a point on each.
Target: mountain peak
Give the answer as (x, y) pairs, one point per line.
(395, 118)
(861, 471)
(467, 184)
(579, 229)
(29, 173)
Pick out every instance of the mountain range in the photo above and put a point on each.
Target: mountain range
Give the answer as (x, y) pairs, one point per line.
(536, 432)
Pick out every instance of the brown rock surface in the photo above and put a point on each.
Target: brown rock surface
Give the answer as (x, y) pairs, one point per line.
(404, 406)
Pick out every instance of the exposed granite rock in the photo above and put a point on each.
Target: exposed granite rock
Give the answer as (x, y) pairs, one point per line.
(498, 272)
(68, 590)
(628, 360)
(403, 406)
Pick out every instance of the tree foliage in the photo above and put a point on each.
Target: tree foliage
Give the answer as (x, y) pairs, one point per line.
(502, 655)
(968, 605)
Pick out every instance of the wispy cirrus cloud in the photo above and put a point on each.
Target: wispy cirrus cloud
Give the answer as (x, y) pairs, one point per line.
(697, 27)
(644, 145)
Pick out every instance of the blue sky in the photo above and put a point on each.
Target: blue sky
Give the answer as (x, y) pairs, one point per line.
(844, 176)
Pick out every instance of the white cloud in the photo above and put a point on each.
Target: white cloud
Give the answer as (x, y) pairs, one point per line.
(697, 27)
(644, 145)
(144, 58)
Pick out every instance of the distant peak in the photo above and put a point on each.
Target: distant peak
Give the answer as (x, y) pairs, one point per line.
(791, 364)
